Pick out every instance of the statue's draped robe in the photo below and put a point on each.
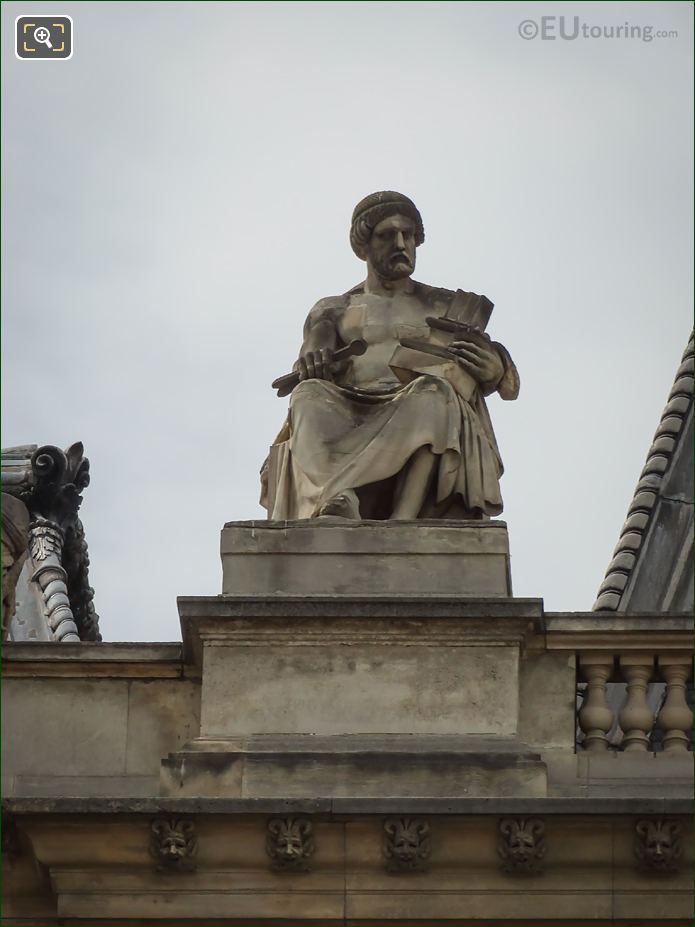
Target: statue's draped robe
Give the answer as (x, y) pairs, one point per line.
(337, 438)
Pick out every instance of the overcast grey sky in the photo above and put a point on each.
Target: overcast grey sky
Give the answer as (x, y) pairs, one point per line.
(178, 195)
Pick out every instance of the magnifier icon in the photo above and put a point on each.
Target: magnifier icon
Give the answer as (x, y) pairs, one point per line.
(43, 36)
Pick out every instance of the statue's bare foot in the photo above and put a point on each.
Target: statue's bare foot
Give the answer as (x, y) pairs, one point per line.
(344, 505)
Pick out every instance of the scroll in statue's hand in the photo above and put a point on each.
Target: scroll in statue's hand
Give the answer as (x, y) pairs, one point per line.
(480, 360)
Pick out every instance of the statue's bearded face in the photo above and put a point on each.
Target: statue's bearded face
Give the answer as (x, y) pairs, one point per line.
(391, 248)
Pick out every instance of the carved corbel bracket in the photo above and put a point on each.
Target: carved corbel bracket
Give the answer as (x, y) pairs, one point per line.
(290, 844)
(407, 844)
(522, 845)
(173, 844)
(658, 845)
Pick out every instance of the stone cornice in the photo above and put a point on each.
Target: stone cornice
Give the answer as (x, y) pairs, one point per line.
(618, 633)
(305, 618)
(92, 659)
(347, 806)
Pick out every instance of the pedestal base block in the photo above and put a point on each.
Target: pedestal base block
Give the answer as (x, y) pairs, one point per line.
(372, 766)
(336, 556)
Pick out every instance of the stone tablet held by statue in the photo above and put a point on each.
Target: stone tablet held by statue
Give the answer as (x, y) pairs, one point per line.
(399, 430)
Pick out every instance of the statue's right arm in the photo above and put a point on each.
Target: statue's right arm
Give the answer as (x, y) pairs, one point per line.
(320, 341)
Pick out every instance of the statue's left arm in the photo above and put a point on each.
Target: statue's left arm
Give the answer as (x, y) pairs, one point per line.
(509, 384)
(490, 363)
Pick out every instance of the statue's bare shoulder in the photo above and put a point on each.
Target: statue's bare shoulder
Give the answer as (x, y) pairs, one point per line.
(329, 309)
(424, 292)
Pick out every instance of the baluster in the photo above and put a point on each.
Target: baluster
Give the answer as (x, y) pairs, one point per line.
(675, 718)
(595, 715)
(636, 718)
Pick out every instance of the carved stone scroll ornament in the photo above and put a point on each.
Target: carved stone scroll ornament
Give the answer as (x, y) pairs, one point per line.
(658, 845)
(59, 479)
(522, 845)
(173, 845)
(76, 563)
(407, 844)
(46, 549)
(49, 482)
(290, 844)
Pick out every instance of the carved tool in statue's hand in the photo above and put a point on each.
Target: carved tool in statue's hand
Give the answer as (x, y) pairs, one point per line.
(284, 385)
(414, 357)
(452, 327)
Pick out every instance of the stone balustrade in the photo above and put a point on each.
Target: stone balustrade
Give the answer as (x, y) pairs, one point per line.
(652, 657)
(637, 719)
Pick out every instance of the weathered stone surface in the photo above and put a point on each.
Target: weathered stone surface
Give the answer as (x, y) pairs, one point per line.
(575, 805)
(57, 721)
(395, 680)
(96, 850)
(163, 693)
(348, 675)
(381, 425)
(343, 557)
(520, 615)
(364, 766)
(65, 733)
(54, 599)
(547, 700)
(14, 537)
(100, 867)
(157, 716)
(112, 659)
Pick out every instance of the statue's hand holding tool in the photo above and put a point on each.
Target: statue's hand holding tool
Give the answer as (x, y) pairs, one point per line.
(315, 365)
(479, 358)
(318, 365)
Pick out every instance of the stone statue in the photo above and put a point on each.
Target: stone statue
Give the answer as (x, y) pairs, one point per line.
(387, 419)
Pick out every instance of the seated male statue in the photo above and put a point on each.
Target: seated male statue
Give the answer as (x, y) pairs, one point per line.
(363, 440)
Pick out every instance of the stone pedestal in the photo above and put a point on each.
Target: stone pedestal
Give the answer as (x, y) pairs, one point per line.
(377, 766)
(338, 557)
(370, 659)
(348, 717)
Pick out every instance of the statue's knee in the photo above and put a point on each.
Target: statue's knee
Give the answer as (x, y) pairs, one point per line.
(307, 388)
(431, 384)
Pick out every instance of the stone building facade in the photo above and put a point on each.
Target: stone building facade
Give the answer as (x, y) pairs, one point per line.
(368, 727)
